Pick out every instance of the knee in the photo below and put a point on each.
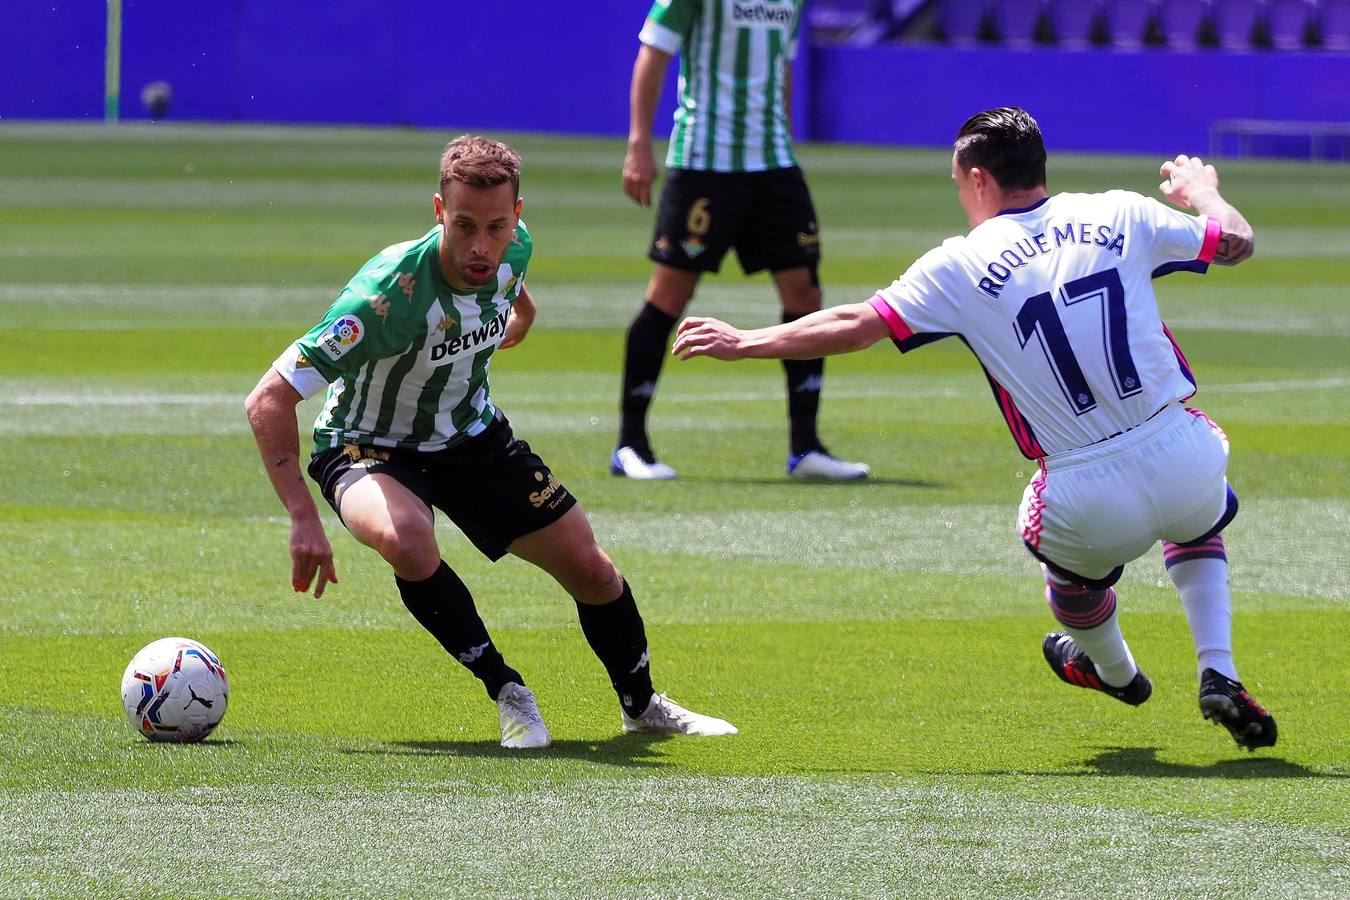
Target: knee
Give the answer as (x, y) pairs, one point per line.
(409, 545)
(594, 578)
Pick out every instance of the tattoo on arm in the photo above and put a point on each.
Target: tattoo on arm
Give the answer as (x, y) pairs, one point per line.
(281, 461)
(1233, 249)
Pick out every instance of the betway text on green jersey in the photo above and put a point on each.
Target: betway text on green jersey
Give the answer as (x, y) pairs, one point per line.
(403, 355)
(734, 55)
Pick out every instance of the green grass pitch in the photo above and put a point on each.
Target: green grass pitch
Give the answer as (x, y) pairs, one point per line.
(877, 644)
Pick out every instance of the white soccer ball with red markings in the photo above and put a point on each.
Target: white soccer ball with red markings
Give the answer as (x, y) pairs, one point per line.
(175, 689)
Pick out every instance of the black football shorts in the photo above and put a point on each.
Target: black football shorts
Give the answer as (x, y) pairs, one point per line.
(492, 486)
(766, 216)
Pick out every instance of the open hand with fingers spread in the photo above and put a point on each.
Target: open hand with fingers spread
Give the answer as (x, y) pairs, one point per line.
(1187, 177)
(708, 337)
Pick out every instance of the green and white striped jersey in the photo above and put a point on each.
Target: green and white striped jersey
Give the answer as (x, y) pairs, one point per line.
(732, 115)
(403, 355)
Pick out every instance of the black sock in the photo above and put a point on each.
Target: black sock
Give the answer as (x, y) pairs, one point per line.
(804, 379)
(614, 631)
(648, 340)
(444, 606)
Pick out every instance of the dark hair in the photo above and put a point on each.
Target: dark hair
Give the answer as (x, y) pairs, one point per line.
(1006, 143)
(479, 162)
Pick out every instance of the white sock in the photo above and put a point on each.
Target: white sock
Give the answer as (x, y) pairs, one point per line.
(1203, 585)
(1108, 650)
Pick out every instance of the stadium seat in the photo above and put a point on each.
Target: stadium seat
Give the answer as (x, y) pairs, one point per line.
(1235, 21)
(1016, 20)
(1127, 21)
(1288, 22)
(961, 20)
(1335, 21)
(845, 17)
(1181, 20)
(1072, 20)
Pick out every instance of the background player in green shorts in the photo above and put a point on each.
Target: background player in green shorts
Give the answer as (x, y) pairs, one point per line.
(409, 425)
(732, 181)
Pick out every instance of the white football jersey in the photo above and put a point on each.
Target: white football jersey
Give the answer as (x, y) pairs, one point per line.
(1057, 303)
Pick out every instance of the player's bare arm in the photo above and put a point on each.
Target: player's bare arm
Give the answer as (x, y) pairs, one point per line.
(639, 166)
(1191, 184)
(829, 332)
(271, 414)
(522, 317)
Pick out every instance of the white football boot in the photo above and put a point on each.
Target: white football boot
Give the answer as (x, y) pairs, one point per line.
(628, 463)
(664, 716)
(522, 726)
(817, 464)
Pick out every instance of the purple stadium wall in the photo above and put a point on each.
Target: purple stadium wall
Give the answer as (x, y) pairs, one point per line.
(455, 64)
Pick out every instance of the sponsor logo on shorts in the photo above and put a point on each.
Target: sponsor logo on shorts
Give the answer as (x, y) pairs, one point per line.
(540, 497)
(662, 246)
(364, 456)
(341, 336)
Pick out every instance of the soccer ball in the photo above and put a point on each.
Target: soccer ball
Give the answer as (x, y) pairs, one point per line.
(175, 690)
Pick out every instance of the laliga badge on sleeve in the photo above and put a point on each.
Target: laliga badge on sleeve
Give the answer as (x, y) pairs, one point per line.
(344, 334)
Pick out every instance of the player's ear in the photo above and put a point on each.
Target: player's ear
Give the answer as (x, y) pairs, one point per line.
(438, 204)
(520, 204)
(982, 181)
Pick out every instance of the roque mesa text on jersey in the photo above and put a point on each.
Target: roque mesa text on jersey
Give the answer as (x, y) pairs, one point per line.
(1024, 250)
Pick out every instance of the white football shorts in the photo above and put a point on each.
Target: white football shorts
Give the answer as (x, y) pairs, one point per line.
(1089, 511)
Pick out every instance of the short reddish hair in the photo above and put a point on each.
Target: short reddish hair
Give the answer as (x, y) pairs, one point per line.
(479, 162)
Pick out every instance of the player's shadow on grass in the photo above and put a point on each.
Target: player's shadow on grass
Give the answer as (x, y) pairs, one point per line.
(1145, 763)
(858, 484)
(633, 750)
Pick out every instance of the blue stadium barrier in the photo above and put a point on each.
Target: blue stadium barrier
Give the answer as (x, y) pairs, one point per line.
(353, 62)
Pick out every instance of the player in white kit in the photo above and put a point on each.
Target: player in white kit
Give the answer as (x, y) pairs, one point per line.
(1054, 296)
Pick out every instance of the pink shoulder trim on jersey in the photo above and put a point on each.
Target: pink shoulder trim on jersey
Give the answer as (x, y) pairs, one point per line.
(1213, 231)
(899, 330)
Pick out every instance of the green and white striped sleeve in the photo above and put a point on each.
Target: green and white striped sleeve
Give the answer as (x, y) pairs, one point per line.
(668, 24)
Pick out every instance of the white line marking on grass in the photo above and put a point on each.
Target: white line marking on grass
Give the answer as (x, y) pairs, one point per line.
(860, 835)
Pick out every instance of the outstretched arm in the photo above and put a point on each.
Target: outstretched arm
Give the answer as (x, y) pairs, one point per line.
(829, 332)
(1193, 185)
(271, 414)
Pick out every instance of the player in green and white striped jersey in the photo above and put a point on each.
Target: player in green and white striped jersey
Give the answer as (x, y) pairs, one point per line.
(732, 181)
(409, 426)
